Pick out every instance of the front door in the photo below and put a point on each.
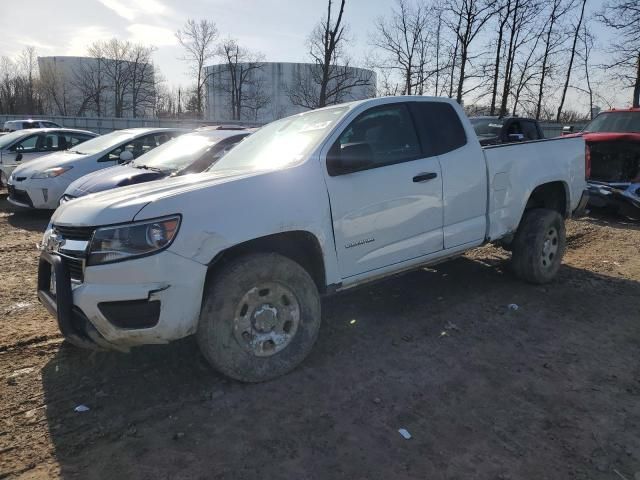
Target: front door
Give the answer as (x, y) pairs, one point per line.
(390, 211)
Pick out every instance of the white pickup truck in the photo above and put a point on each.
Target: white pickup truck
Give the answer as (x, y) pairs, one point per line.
(308, 205)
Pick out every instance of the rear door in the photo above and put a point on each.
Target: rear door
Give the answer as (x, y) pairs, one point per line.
(391, 211)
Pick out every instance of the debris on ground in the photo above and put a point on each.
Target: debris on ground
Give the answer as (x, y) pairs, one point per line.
(451, 326)
(81, 409)
(405, 433)
(513, 306)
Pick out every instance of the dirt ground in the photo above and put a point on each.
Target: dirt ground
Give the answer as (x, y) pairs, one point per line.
(548, 391)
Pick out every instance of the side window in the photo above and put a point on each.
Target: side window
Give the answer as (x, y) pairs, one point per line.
(29, 125)
(514, 128)
(28, 145)
(71, 140)
(439, 127)
(389, 132)
(137, 146)
(49, 142)
(530, 131)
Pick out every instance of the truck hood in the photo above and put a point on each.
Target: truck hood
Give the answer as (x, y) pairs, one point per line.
(58, 159)
(112, 177)
(123, 204)
(597, 137)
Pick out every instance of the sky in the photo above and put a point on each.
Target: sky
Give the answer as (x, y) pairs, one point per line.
(277, 28)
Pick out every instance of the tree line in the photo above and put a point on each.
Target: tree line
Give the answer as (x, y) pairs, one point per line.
(497, 57)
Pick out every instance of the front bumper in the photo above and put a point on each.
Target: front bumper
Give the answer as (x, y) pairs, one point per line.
(149, 300)
(624, 197)
(39, 193)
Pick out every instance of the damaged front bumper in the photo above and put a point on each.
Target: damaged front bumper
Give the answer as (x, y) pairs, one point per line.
(622, 196)
(149, 300)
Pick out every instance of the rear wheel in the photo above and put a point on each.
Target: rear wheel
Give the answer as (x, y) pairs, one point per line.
(260, 317)
(538, 246)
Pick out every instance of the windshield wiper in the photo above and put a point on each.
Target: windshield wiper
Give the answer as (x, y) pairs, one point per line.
(147, 167)
(78, 152)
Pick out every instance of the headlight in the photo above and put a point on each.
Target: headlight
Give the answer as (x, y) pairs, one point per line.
(113, 244)
(51, 172)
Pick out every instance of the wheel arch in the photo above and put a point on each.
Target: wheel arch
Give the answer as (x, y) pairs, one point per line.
(301, 246)
(553, 195)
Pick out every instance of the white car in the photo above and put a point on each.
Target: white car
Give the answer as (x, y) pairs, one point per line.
(308, 205)
(22, 146)
(41, 183)
(13, 125)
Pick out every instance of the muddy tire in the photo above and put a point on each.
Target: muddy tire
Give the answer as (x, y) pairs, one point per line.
(260, 317)
(538, 246)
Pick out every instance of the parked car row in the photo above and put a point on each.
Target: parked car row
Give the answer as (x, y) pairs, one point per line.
(78, 163)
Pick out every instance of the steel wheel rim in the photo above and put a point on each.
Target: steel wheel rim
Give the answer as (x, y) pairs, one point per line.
(266, 319)
(549, 247)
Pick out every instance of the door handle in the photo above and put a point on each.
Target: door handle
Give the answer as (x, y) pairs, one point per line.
(424, 177)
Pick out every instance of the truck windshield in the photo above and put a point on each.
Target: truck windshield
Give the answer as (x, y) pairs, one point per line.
(619, 122)
(280, 144)
(486, 126)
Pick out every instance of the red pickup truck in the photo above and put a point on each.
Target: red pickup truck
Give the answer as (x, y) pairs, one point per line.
(613, 161)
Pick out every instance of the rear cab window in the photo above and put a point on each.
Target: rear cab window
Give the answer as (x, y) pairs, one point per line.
(439, 127)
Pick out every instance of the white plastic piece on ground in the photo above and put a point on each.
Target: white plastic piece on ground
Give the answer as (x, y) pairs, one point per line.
(513, 306)
(405, 433)
(81, 408)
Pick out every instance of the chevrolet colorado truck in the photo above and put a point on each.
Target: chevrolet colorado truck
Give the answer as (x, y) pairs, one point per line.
(308, 205)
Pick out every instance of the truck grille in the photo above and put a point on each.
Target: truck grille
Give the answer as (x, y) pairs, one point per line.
(75, 268)
(75, 233)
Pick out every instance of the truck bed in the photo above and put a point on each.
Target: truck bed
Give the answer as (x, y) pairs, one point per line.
(511, 180)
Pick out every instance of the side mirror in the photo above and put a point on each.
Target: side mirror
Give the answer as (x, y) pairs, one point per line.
(516, 137)
(125, 156)
(18, 157)
(352, 157)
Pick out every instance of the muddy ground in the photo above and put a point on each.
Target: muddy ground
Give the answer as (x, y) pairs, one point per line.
(550, 390)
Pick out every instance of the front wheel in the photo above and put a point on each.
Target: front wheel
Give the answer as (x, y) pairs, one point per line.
(538, 246)
(260, 317)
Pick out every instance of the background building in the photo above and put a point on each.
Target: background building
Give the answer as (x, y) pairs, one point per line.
(265, 91)
(97, 87)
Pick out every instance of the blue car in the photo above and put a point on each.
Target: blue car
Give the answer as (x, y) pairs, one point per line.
(190, 153)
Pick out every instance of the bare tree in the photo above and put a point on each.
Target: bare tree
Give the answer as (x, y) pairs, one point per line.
(143, 81)
(523, 15)
(241, 69)
(257, 99)
(585, 55)
(330, 79)
(623, 16)
(576, 34)
(28, 64)
(471, 17)
(405, 40)
(55, 89)
(198, 40)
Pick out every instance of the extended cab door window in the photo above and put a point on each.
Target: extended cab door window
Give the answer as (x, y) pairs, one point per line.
(386, 196)
(388, 134)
